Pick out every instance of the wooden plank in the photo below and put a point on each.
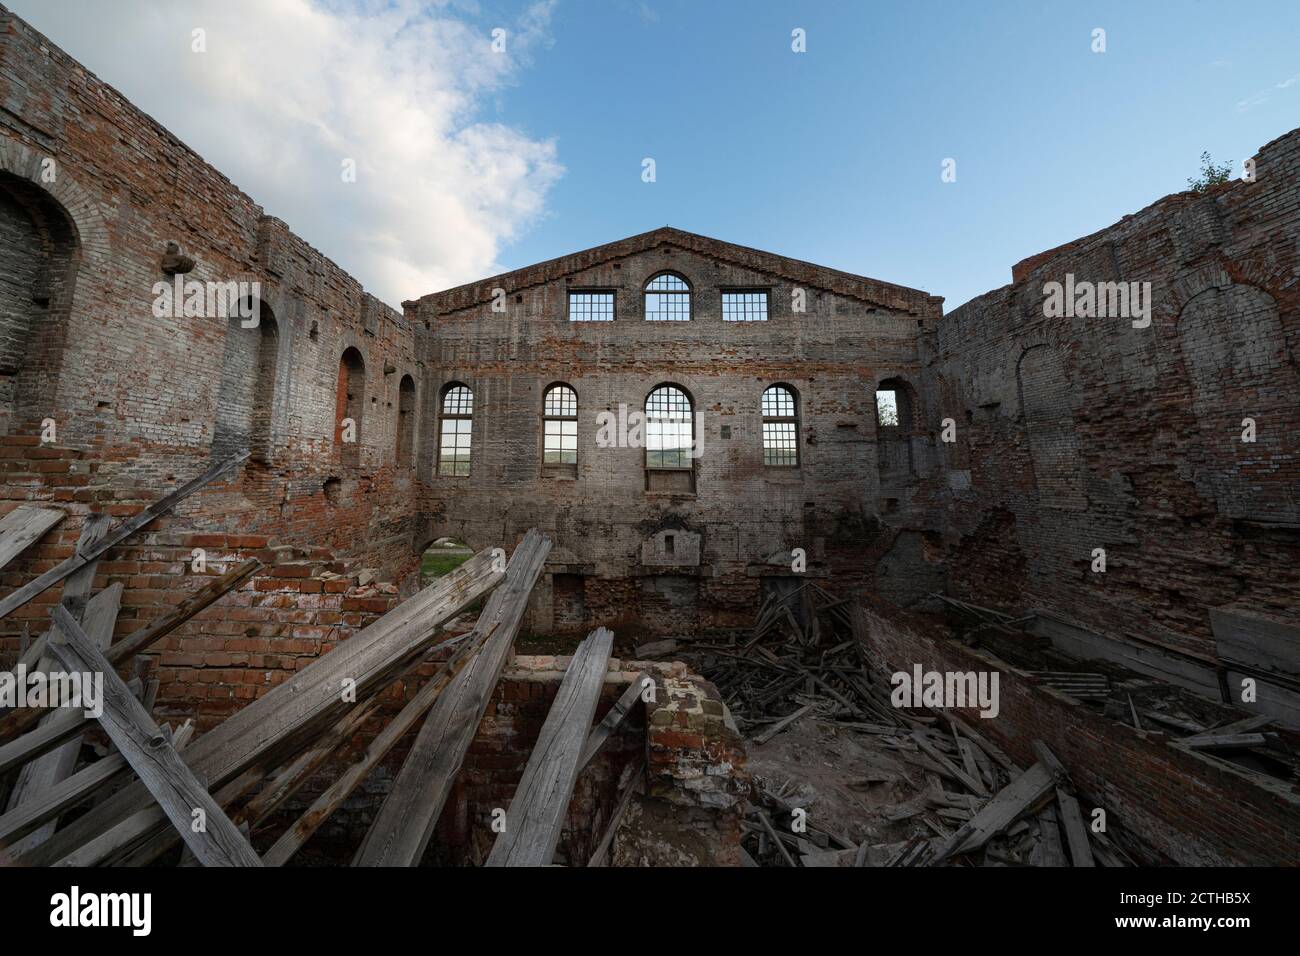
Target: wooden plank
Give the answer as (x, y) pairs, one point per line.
(540, 804)
(276, 726)
(151, 756)
(22, 720)
(972, 784)
(50, 768)
(629, 783)
(124, 530)
(47, 805)
(315, 816)
(1017, 798)
(1050, 846)
(1224, 741)
(23, 526)
(614, 719)
(406, 819)
(782, 724)
(1076, 834)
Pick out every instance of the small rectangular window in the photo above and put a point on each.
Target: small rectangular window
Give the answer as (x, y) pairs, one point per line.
(591, 307)
(886, 409)
(744, 306)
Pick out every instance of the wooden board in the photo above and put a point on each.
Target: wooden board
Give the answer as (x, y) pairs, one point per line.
(541, 803)
(301, 707)
(1076, 833)
(1021, 796)
(405, 821)
(152, 756)
(615, 717)
(124, 530)
(23, 526)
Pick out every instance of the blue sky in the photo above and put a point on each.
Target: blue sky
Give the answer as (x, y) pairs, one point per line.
(472, 162)
(834, 155)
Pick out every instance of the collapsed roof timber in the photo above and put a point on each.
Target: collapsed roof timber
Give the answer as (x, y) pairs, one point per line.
(740, 494)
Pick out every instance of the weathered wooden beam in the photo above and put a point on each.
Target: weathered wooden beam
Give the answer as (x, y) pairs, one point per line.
(406, 819)
(1020, 796)
(615, 717)
(273, 727)
(22, 527)
(1076, 834)
(541, 802)
(324, 806)
(47, 805)
(22, 720)
(124, 530)
(152, 757)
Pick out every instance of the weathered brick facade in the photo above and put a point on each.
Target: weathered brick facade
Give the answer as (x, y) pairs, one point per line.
(741, 519)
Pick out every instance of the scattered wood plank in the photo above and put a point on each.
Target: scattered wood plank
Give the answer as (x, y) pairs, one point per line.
(1076, 833)
(151, 756)
(276, 726)
(22, 527)
(124, 530)
(614, 719)
(324, 806)
(1019, 797)
(629, 783)
(22, 720)
(1224, 741)
(404, 824)
(782, 724)
(541, 802)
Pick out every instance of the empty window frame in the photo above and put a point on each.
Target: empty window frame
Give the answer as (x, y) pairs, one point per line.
(560, 426)
(744, 306)
(667, 299)
(887, 408)
(670, 429)
(591, 306)
(457, 422)
(780, 427)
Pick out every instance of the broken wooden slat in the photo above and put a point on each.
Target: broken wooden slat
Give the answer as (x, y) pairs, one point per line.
(50, 768)
(22, 720)
(151, 756)
(405, 821)
(124, 530)
(1017, 798)
(782, 724)
(629, 783)
(300, 707)
(1224, 741)
(357, 771)
(1076, 834)
(23, 526)
(540, 804)
(617, 714)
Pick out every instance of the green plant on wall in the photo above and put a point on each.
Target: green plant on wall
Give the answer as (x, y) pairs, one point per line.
(1211, 175)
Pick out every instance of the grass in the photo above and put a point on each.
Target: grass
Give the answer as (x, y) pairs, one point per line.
(435, 564)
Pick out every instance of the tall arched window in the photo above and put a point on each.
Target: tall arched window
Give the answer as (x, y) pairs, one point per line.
(780, 427)
(349, 403)
(560, 428)
(246, 390)
(457, 421)
(669, 440)
(405, 419)
(895, 425)
(667, 298)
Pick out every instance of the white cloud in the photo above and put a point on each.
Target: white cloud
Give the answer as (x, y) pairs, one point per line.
(1260, 97)
(290, 88)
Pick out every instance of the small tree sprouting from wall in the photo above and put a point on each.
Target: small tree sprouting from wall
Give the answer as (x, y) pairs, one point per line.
(1211, 175)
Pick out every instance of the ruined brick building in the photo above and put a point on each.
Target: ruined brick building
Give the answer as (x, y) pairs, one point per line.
(1019, 444)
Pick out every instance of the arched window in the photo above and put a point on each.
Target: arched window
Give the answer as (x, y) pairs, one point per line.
(669, 440)
(560, 426)
(39, 255)
(457, 421)
(348, 406)
(895, 425)
(780, 427)
(667, 298)
(246, 390)
(405, 419)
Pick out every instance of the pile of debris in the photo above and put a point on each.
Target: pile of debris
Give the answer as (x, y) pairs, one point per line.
(139, 801)
(806, 658)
